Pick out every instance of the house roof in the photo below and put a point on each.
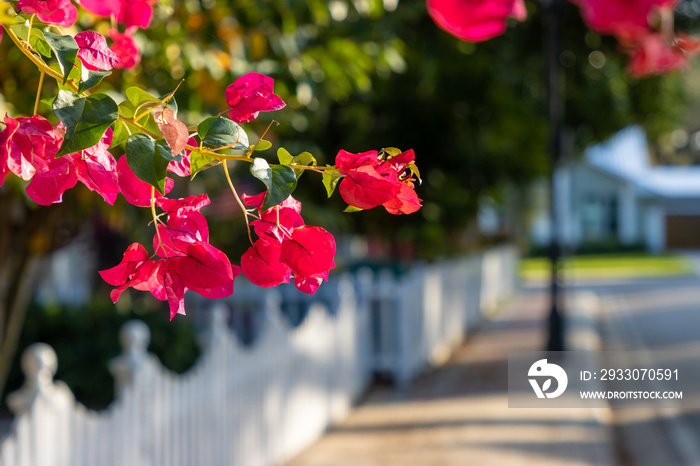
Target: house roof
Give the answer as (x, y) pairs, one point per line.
(626, 155)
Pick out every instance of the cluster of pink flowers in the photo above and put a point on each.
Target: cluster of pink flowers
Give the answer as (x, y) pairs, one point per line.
(645, 29)
(635, 23)
(287, 245)
(372, 181)
(133, 14)
(187, 260)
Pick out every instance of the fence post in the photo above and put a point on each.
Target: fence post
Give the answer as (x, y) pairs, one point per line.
(133, 372)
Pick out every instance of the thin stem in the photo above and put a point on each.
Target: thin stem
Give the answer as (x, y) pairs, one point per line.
(163, 101)
(252, 149)
(27, 50)
(29, 29)
(238, 199)
(155, 222)
(38, 93)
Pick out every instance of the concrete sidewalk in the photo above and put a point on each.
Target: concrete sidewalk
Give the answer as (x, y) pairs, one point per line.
(458, 414)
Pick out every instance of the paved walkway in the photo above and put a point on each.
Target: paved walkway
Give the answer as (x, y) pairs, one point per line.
(458, 414)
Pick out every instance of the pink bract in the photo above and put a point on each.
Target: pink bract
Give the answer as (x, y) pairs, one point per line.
(371, 181)
(135, 191)
(287, 245)
(654, 54)
(125, 48)
(28, 145)
(623, 18)
(94, 51)
(251, 94)
(59, 12)
(475, 20)
(128, 12)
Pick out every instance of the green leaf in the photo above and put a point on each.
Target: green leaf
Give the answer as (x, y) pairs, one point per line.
(138, 96)
(128, 110)
(37, 41)
(74, 72)
(90, 79)
(86, 119)
(220, 132)
(280, 181)
(305, 158)
(8, 15)
(200, 162)
(66, 50)
(149, 159)
(331, 180)
(352, 208)
(263, 145)
(284, 156)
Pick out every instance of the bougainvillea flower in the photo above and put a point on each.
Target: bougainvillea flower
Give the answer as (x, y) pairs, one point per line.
(128, 12)
(188, 261)
(261, 264)
(373, 179)
(475, 20)
(97, 169)
(47, 187)
(94, 51)
(251, 94)
(654, 54)
(135, 191)
(308, 251)
(622, 18)
(28, 145)
(59, 12)
(124, 46)
(287, 245)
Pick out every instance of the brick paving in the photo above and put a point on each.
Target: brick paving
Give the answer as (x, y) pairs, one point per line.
(458, 414)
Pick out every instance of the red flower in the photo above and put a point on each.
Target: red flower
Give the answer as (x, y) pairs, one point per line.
(125, 48)
(286, 245)
(59, 12)
(622, 18)
(654, 54)
(372, 181)
(475, 20)
(128, 12)
(188, 261)
(94, 52)
(28, 145)
(135, 191)
(251, 94)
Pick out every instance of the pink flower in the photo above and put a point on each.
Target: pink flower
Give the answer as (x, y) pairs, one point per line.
(188, 261)
(96, 168)
(135, 191)
(251, 94)
(654, 54)
(125, 48)
(128, 12)
(371, 181)
(59, 12)
(286, 245)
(622, 18)
(475, 20)
(94, 52)
(28, 145)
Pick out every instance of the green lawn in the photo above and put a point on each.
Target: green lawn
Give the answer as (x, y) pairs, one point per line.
(609, 266)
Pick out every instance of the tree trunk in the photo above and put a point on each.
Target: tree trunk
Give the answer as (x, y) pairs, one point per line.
(27, 234)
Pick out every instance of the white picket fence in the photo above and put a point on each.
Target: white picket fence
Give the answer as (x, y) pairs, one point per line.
(264, 403)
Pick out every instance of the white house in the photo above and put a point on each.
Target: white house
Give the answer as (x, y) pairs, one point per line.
(615, 194)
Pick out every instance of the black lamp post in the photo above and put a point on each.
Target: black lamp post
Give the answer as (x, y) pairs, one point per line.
(555, 110)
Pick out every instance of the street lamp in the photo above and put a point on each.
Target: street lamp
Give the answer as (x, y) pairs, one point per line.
(555, 111)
